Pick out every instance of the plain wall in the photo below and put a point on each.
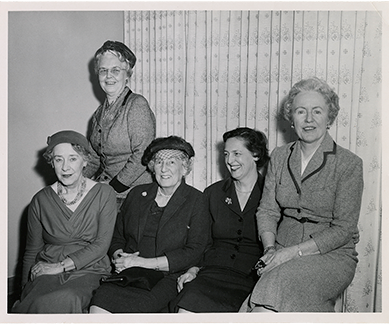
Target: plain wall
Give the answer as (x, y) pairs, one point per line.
(51, 87)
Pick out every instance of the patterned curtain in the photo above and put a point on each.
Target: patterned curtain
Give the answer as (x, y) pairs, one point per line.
(206, 72)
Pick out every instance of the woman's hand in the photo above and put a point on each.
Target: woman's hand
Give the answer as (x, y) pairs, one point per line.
(187, 277)
(275, 258)
(45, 268)
(356, 238)
(116, 255)
(126, 260)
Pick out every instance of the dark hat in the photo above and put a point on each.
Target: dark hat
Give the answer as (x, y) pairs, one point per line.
(120, 48)
(167, 143)
(67, 136)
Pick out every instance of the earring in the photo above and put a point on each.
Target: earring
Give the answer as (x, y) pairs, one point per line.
(292, 126)
(328, 126)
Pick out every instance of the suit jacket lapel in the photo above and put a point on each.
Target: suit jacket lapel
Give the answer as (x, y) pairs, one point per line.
(230, 198)
(294, 165)
(252, 203)
(175, 202)
(145, 202)
(319, 159)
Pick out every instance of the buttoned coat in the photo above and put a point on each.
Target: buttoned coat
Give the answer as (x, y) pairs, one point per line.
(183, 230)
(322, 204)
(226, 276)
(235, 243)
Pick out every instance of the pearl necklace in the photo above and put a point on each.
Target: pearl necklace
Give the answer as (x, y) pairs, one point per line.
(160, 193)
(79, 193)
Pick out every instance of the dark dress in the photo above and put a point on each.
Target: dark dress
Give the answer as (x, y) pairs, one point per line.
(55, 232)
(179, 231)
(226, 276)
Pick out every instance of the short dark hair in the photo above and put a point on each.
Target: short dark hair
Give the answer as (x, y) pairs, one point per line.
(255, 141)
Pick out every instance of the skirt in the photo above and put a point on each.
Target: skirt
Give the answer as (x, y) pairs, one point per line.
(214, 290)
(117, 299)
(50, 294)
(307, 284)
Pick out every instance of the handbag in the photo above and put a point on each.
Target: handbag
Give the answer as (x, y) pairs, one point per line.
(135, 277)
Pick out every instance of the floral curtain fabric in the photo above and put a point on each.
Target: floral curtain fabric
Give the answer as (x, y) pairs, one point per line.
(206, 72)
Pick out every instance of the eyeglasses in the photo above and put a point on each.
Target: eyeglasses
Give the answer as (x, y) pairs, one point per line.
(115, 71)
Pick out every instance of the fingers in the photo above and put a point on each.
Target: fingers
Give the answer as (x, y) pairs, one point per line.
(180, 283)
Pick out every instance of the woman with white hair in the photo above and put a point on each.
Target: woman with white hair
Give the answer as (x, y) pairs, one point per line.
(161, 231)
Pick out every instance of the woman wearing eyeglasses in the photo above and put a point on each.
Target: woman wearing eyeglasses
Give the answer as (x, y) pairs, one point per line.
(122, 127)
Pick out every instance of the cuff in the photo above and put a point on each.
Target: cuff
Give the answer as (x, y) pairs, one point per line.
(117, 185)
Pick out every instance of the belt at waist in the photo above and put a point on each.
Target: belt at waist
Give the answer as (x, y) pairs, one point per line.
(303, 220)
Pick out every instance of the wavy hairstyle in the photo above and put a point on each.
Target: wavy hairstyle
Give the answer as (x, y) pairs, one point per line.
(312, 84)
(123, 53)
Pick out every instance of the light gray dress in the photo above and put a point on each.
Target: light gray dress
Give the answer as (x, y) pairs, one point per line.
(322, 204)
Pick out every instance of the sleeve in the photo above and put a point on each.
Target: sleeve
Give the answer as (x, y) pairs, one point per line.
(196, 240)
(207, 197)
(94, 159)
(119, 240)
(141, 130)
(346, 210)
(269, 212)
(34, 242)
(97, 249)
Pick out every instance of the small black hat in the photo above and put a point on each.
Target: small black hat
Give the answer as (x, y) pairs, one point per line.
(67, 136)
(167, 143)
(120, 48)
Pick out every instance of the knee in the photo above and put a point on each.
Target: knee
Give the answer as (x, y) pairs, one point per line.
(60, 301)
(97, 310)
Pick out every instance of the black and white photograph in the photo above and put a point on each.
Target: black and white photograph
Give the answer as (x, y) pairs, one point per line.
(194, 162)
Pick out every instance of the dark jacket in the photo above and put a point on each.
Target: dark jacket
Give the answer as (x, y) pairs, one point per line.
(183, 231)
(235, 242)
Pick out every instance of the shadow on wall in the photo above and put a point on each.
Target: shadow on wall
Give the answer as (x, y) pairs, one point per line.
(97, 91)
(43, 169)
(48, 175)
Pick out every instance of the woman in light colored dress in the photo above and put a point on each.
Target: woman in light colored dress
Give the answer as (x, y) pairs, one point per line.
(309, 210)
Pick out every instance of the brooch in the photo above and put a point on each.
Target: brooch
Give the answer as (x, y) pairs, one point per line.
(144, 193)
(228, 201)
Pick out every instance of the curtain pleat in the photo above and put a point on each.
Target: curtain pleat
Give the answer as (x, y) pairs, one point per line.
(206, 72)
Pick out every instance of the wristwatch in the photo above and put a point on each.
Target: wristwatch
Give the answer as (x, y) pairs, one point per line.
(299, 252)
(63, 266)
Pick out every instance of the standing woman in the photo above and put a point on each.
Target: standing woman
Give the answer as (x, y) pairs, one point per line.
(309, 210)
(163, 228)
(70, 226)
(122, 126)
(225, 277)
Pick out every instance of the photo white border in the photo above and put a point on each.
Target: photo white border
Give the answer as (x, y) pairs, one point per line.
(5, 7)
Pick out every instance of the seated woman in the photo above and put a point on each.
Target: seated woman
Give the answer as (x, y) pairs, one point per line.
(70, 226)
(225, 276)
(162, 226)
(309, 210)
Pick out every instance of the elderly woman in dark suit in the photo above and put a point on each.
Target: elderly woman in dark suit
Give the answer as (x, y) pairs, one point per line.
(162, 226)
(309, 211)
